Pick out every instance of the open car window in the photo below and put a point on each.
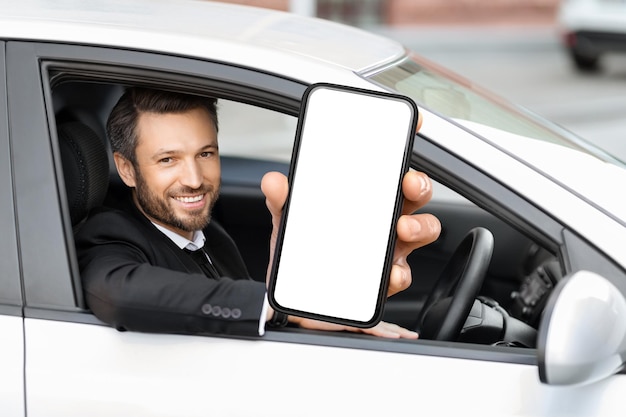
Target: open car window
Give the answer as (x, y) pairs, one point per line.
(256, 136)
(254, 140)
(254, 132)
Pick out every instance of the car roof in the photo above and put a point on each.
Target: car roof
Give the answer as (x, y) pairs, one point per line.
(267, 39)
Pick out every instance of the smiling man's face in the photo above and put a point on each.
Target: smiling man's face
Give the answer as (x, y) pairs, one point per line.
(176, 176)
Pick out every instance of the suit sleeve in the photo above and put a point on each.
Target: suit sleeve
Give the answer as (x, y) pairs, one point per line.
(133, 283)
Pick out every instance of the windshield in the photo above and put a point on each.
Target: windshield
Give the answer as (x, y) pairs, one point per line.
(446, 93)
(552, 150)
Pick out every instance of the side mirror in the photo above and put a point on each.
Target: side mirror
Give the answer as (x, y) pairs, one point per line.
(582, 336)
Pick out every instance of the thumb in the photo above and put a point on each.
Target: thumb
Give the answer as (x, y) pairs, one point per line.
(275, 188)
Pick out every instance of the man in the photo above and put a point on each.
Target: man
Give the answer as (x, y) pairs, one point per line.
(137, 261)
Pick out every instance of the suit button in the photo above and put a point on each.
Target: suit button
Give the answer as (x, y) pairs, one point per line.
(206, 309)
(216, 311)
(226, 313)
(235, 313)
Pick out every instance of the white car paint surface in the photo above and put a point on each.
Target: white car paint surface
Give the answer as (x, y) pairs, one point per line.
(267, 39)
(145, 375)
(12, 366)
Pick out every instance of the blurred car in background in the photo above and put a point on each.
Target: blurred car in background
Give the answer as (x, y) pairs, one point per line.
(591, 28)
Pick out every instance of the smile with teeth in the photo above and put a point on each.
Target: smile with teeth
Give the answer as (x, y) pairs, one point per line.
(193, 199)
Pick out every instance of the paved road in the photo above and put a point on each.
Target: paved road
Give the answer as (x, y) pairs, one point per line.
(527, 66)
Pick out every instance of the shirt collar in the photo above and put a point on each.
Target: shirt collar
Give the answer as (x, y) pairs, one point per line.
(195, 243)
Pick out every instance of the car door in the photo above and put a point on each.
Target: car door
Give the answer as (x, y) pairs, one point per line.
(75, 365)
(11, 322)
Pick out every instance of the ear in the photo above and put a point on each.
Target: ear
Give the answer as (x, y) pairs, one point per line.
(125, 168)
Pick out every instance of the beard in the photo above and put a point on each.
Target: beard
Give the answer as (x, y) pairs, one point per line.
(161, 209)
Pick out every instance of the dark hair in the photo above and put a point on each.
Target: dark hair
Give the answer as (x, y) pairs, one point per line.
(122, 122)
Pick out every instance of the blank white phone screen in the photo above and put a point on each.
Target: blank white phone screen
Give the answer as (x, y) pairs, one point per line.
(340, 216)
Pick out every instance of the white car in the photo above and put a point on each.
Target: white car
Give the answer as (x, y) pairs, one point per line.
(592, 28)
(545, 335)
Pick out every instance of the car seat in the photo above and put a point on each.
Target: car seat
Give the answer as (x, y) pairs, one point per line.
(85, 169)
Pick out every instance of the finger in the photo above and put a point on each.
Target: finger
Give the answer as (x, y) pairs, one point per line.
(417, 189)
(400, 331)
(390, 330)
(399, 279)
(415, 231)
(420, 119)
(275, 188)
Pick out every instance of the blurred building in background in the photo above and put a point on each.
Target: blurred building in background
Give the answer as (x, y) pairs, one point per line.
(419, 12)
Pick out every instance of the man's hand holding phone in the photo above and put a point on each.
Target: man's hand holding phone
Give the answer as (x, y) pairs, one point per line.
(414, 231)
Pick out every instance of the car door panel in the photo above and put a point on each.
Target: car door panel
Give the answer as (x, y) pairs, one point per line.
(125, 373)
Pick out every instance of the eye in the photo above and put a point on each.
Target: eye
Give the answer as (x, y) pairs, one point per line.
(165, 161)
(206, 154)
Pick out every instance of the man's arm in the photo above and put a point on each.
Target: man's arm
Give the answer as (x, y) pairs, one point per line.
(133, 281)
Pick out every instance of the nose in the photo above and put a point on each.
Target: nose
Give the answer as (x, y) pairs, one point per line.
(191, 175)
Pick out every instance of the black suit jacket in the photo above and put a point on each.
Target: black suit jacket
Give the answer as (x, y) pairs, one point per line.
(135, 278)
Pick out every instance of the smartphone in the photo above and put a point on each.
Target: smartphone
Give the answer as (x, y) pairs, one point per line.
(338, 230)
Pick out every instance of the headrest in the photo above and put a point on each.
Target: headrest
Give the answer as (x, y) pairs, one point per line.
(85, 168)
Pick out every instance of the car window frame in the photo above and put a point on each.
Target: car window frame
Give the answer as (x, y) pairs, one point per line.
(10, 288)
(48, 292)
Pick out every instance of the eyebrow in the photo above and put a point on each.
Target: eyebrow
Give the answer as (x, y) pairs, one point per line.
(161, 153)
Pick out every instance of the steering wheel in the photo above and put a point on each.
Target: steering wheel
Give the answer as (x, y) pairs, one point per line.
(458, 285)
